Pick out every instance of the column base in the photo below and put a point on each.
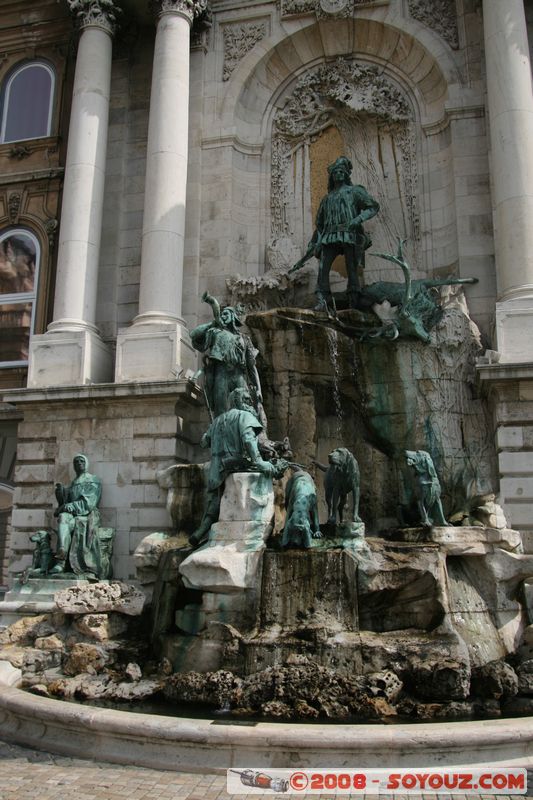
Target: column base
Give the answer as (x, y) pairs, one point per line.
(153, 352)
(69, 358)
(514, 330)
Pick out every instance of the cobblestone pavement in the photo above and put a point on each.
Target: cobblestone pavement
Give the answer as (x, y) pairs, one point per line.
(33, 775)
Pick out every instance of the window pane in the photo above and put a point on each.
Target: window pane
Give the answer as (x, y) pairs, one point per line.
(27, 115)
(15, 327)
(17, 264)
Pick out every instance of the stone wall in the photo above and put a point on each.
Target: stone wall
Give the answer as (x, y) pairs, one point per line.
(510, 388)
(127, 432)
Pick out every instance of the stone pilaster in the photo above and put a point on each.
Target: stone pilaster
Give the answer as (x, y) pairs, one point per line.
(156, 346)
(510, 109)
(71, 351)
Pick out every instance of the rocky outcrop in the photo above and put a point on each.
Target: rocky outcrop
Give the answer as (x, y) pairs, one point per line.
(305, 690)
(27, 629)
(326, 388)
(100, 627)
(403, 589)
(93, 644)
(525, 677)
(149, 552)
(496, 679)
(100, 687)
(88, 658)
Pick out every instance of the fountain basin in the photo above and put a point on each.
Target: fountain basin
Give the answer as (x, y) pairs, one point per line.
(195, 745)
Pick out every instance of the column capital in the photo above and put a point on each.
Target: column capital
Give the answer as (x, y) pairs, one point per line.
(191, 9)
(95, 13)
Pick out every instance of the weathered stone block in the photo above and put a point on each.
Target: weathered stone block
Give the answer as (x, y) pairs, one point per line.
(52, 642)
(248, 496)
(85, 657)
(38, 660)
(101, 627)
(496, 679)
(101, 597)
(185, 484)
(221, 568)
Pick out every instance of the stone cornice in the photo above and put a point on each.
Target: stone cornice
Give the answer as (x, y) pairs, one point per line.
(183, 389)
(191, 9)
(95, 13)
(499, 372)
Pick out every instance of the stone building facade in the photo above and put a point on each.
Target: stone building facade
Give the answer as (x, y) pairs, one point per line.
(152, 151)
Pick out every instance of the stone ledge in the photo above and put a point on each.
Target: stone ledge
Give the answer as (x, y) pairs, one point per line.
(463, 540)
(185, 389)
(196, 745)
(505, 371)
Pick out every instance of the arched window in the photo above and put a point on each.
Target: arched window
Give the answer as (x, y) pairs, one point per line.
(28, 96)
(19, 267)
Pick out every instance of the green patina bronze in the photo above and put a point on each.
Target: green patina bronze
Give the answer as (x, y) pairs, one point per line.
(339, 231)
(341, 479)
(232, 437)
(426, 488)
(301, 523)
(82, 546)
(418, 308)
(229, 358)
(42, 558)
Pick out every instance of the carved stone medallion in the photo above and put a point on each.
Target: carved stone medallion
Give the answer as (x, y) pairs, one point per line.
(334, 6)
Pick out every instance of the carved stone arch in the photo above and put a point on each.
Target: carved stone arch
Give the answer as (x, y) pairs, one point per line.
(425, 63)
(420, 69)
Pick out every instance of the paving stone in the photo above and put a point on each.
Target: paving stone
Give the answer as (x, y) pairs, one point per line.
(35, 775)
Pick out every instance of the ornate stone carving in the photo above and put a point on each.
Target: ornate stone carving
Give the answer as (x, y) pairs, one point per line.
(189, 8)
(292, 8)
(19, 151)
(359, 88)
(365, 106)
(200, 39)
(440, 15)
(51, 225)
(239, 40)
(13, 205)
(335, 7)
(322, 8)
(103, 13)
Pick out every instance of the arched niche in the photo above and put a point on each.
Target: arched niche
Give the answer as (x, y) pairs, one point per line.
(350, 107)
(384, 89)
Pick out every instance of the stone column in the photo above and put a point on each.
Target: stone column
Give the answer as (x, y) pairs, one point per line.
(510, 108)
(72, 352)
(157, 345)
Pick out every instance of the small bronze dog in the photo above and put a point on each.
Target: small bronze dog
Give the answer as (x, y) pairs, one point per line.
(43, 558)
(302, 523)
(341, 478)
